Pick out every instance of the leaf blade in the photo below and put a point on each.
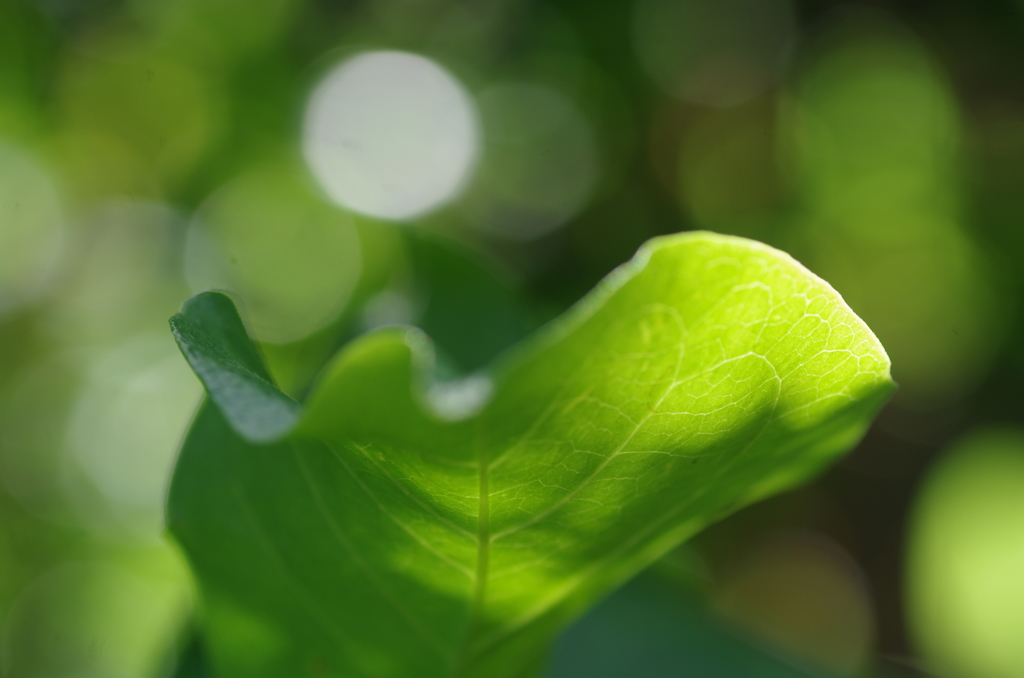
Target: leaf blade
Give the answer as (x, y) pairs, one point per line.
(213, 339)
(707, 373)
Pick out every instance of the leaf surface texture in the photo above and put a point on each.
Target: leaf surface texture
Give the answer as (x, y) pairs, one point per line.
(402, 526)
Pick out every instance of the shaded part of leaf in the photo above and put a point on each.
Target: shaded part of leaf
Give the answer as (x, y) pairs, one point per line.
(299, 570)
(214, 313)
(213, 339)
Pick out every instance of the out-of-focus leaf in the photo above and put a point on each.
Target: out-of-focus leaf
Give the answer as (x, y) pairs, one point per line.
(192, 663)
(470, 313)
(664, 630)
(213, 339)
(412, 527)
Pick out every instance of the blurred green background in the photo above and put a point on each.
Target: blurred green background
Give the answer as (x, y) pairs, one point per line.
(474, 167)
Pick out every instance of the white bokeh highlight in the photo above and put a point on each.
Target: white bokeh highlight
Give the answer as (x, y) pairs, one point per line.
(390, 134)
(124, 432)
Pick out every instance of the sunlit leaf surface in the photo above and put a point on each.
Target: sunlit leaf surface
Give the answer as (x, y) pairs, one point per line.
(407, 527)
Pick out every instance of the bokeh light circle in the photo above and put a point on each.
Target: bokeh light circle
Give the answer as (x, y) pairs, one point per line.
(31, 228)
(291, 259)
(540, 161)
(124, 431)
(966, 556)
(877, 159)
(390, 134)
(799, 593)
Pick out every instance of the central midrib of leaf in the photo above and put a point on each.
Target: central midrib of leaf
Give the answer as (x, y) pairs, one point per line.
(485, 537)
(483, 550)
(484, 464)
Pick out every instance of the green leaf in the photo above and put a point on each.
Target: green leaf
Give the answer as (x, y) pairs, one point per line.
(652, 628)
(410, 527)
(470, 313)
(214, 342)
